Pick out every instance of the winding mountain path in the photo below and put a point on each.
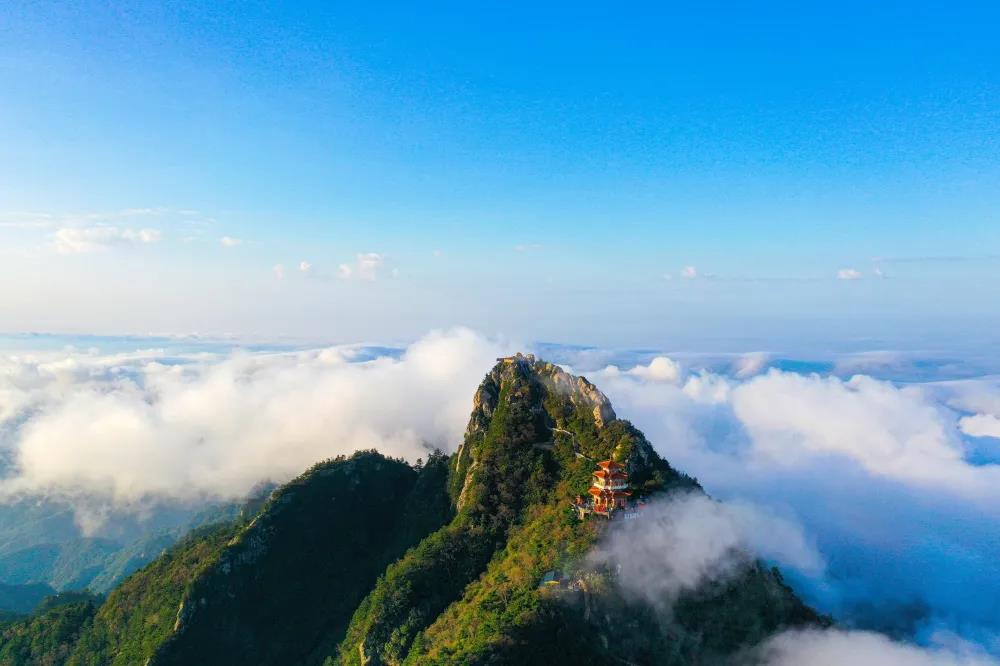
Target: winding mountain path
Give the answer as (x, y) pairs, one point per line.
(576, 445)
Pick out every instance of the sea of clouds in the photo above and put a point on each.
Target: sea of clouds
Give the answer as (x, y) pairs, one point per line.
(880, 499)
(138, 426)
(895, 484)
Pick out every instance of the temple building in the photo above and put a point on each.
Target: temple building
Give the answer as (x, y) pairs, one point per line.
(608, 490)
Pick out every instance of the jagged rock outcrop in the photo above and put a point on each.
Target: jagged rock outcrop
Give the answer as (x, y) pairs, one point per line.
(580, 391)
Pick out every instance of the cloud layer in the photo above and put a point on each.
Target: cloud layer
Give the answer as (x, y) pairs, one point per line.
(687, 540)
(125, 428)
(80, 240)
(861, 648)
(884, 498)
(889, 431)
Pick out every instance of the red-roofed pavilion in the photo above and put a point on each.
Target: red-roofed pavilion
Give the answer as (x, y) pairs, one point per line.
(609, 487)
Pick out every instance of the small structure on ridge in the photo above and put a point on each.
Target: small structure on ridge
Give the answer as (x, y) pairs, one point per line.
(609, 491)
(551, 579)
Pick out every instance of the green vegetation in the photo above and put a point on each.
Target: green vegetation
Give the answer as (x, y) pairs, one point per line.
(140, 613)
(274, 589)
(287, 584)
(46, 638)
(505, 601)
(505, 471)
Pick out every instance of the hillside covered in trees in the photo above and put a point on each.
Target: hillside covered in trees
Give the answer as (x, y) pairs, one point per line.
(368, 560)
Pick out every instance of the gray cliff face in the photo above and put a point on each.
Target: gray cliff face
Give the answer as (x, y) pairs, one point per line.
(580, 392)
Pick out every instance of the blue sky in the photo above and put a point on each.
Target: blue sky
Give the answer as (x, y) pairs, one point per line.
(578, 172)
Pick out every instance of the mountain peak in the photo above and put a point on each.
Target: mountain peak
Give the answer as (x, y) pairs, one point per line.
(369, 561)
(532, 405)
(525, 367)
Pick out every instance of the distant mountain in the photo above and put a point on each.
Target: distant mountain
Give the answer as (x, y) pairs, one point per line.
(368, 560)
(71, 565)
(41, 544)
(23, 599)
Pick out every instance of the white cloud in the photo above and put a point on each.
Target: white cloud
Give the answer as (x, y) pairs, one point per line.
(660, 369)
(889, 431)
(980, 425)
(366, 266)
(750, 364)
(229, 241)
(78, 240)
(305, 267)
(835, 647)
(686, 540)
(689, 272)
(279, 271)
(127, 429)
(707, 388)
(848, 274)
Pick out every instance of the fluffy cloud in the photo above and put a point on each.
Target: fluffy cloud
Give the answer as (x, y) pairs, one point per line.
(128, 429)
(980, 425)
(660, 369)
(689, 272)
(229, 241)
(687, 540)
(79, 240)
(861, 648)
(889, 431)
(848, 274)
(305, 267)
(790, 419)
(366, 266)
